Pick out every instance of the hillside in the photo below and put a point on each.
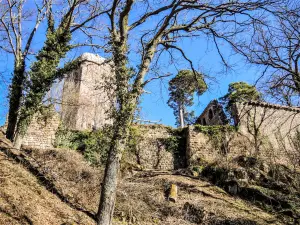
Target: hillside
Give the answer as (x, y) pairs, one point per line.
(25, 200)
(57, 186)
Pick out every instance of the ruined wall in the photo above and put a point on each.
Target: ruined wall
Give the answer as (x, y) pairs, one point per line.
(202, 148)
(87, 94)
(266, 131)
(213, 114)
(198, 149)
(268, 118)
(151, 151)
(41, 131)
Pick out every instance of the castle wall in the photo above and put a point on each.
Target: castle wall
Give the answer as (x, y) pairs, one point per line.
(269, 119)
(264, 131)
(153, 153)
(203, 148)
(198, 148)
(213, 114)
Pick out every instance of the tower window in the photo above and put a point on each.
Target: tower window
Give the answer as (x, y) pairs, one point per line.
(210, 114)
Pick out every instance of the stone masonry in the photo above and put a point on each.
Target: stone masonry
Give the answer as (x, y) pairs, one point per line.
(41, 131)
(264, 129)
(274, 127)
(213, 114)
(87, 94)
(201, 148)
(270, 119)
(151, 153)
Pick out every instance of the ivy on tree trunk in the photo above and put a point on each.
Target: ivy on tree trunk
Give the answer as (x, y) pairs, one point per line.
(15, 96)
(43, 72)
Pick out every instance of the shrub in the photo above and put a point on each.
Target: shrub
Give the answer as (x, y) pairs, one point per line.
(94, 145)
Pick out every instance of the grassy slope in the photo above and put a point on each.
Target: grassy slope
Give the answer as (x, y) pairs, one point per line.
(140, 199)
(23, 200)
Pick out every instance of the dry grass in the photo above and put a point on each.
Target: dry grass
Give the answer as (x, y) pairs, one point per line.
(145, 199)
(70, 173)
(140, 198)
(24, 201)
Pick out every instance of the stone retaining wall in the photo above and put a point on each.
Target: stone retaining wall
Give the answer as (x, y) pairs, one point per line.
(203, 148)
(151, 152)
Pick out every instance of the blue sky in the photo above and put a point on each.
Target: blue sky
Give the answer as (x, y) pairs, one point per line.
(204, 55)
(154, 105)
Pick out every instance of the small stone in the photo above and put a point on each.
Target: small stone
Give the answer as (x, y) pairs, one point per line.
(173, 193)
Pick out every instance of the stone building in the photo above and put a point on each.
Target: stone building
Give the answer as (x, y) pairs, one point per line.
(264, 130)
(213, 114)
(87, 94)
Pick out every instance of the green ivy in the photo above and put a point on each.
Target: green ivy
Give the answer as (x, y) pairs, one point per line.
(43, 71)
(215, 129)
(94, 145)
(135, 137)
(171, 143)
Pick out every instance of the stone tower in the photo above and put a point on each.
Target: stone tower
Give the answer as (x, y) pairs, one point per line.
(86, 96)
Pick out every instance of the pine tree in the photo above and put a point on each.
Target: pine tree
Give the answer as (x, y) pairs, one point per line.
(182, 89)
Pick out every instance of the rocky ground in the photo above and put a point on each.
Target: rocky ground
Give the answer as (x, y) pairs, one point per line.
(57, 186)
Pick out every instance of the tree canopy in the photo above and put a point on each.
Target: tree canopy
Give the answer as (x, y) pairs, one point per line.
(182, 89)
(240, 91)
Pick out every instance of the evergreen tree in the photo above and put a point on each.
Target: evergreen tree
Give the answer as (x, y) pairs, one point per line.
(182, 89)
(239, 92)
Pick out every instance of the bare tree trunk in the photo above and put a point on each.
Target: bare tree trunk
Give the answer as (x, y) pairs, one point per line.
(15, 97)
(109, 185)
(181, 116)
